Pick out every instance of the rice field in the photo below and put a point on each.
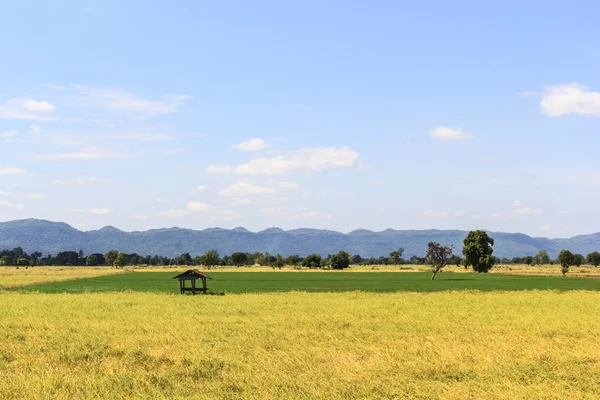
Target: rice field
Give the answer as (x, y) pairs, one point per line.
(13, 276)
(356, 345)
(298, 335)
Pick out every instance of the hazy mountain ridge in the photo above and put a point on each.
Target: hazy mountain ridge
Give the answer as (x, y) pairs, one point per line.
(52, 237)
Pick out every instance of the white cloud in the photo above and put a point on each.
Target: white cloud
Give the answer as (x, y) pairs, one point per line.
(545, 228)
(528, 211)
(562, 213)
(9, 134)
(52, 86)
(240, 201)
(285, 213)
(198, 207)
(35, 129)
(251, 145)
(117, 100)
(139, 217)
(476, 217)
(100, 211)
(496, 215)
(6, 204)
(27, 109)
(38, 106)
(34, 196)
(5, 193)
(244, 188)
(218, 169)
(12, 171)
(445, 134)
(178, 150)
(81, 181)
(570, 98)
(200, 189)
(518, 204)
(308, 159)
(288, 185)
(435, 214)
(160, 201)
(459, 213)
(92, 153)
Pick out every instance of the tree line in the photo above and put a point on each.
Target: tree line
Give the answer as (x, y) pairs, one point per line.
(477, 252)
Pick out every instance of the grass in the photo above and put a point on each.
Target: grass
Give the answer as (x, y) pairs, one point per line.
(332, 281)
(447, 345)
(13, 277)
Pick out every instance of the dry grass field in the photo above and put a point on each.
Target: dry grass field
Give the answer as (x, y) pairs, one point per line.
(450, 345)
(14, 277)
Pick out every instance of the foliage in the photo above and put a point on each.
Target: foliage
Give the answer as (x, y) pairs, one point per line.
(312, 261)
(542, 258)
(438, 256)
(593, 258)
(566, 259)
(211, 258)
(120, 261)
(477, 251)
(340, 260)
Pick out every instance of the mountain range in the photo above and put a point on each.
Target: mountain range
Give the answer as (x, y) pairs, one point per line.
(52, 237)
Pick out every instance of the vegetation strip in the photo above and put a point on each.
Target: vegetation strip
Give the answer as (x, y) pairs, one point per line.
(261, 282)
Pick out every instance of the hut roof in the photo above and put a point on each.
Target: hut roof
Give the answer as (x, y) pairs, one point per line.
(191, 274)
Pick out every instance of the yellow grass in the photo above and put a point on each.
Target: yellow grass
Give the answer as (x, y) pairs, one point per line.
(13, 277)
(451, 345)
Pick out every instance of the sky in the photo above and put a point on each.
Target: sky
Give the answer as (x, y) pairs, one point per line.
(319, 114)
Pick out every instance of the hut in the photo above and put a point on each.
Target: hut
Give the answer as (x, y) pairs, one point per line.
(192, 275)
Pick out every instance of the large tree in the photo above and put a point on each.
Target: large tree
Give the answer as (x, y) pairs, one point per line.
(438, 256)
(211, 258)
(566, 259)
(111, 256)
(239, 258)
(542, 258)
(478, 251)
(593, 258)
(396, 256)
(340, 260)
(312, 261)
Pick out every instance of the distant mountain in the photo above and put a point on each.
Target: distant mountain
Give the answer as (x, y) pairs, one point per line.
(52, 237)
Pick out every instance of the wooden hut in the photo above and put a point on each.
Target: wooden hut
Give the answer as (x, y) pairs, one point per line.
(192, 275)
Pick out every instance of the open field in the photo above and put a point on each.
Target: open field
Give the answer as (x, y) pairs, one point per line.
(12, 276)
(451, 345)
(332, 281)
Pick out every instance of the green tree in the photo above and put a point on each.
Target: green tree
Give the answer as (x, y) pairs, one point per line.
(578, 260)
(593, 258)
(279, 261)
(120, 261)
(92, 260)
(478, 251)
(566, 259)
(239, 258)
(23, 262)
(111, 256)
(396, 256)
(438, 256)
(542, 258)
(312, 261)
(293, 260)
(341, 260)
(211, 258)
(455, 260)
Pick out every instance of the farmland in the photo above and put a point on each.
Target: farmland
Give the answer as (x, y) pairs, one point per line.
(453, 345)
(301, 334)
(280, 281)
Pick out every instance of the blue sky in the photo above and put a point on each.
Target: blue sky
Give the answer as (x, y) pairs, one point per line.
(324, 114)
